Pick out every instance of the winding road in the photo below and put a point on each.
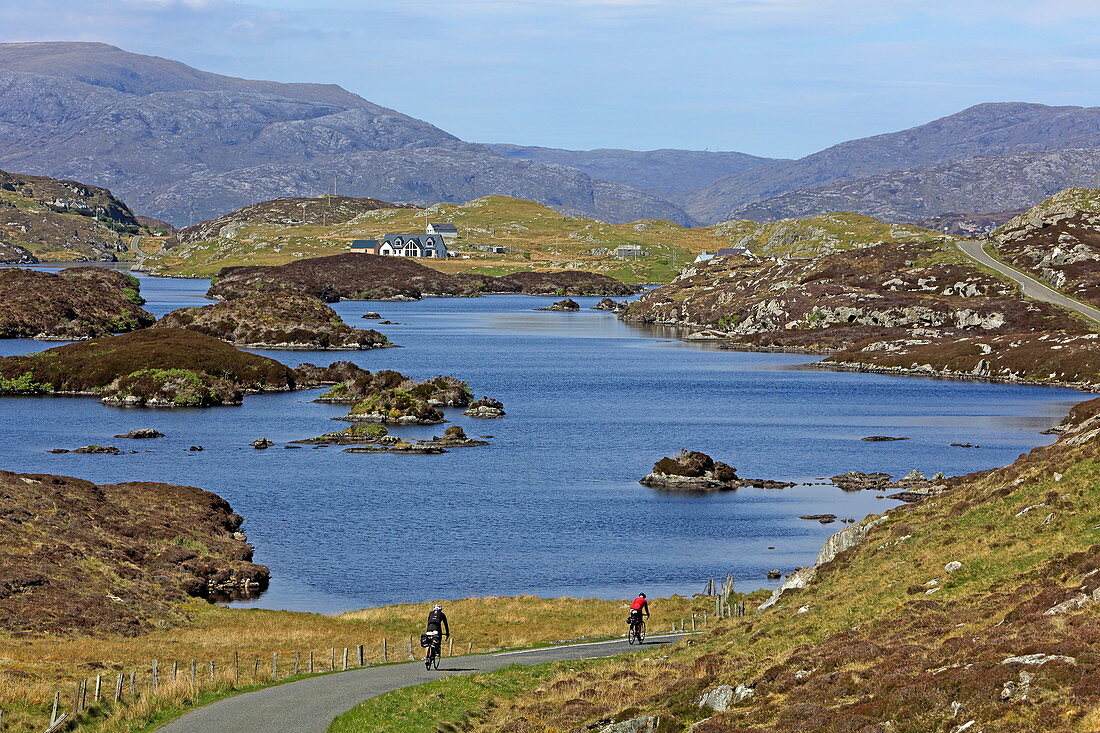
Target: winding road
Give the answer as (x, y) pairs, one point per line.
(1030, 287)
(310, 705)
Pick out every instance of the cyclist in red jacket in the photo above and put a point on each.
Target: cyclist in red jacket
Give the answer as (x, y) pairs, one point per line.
(639, 606)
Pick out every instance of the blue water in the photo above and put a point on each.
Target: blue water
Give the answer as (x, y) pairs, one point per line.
(552, 506)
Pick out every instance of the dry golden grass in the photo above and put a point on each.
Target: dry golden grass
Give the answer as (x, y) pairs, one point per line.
(35, 667)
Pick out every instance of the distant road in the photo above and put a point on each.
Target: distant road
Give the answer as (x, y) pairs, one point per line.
(310, 705)
(1031, 287)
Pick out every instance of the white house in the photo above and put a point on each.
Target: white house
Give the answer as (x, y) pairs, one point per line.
(449, 232)
(413, 245)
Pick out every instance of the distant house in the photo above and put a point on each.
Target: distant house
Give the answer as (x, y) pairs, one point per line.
(365, 246)
(413, 245)
(449, 232)
(704, 256)
(629, 251)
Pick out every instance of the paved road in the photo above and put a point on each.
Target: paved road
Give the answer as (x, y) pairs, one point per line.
(310, 705)
(1031, 287)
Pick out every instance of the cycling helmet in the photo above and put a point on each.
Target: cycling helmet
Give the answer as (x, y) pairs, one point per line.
(438, 607)
(641, 595)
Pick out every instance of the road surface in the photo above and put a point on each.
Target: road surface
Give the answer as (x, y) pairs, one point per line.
(310, 705)
(1031, 287)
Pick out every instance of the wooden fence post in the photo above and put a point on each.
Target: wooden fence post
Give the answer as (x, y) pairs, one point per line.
(693, 622)
(256, 670)
(236, 667)
(359, 653)
(84, 694)
(212, 679)
(98, 686)
(193, 679)
(451, 648)
(133, 686)
(470, 648)
(311, 661)
(410, 645)
(345, 658)
(56, 700)
(275, 666)
(175, 669)
(332, 659)
(118, 687)
(385, 651)
(76, 700)
(297, 663)
(156, 678)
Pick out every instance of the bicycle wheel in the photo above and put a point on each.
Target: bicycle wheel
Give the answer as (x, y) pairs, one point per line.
(428, 661)
(641, 632)
(631, 633)
(435, 658)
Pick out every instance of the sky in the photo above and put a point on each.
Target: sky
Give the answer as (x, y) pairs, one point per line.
(780, 78)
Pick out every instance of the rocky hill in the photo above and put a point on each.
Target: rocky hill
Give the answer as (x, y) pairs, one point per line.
(278, 320)
(353, 276)
(61, 220)
(185, 145)
(980, 183)
(980, 131)
(76, 303)
(1058, 241)
(887, 293)
(671, 174)
(818, 235)
(76, 557)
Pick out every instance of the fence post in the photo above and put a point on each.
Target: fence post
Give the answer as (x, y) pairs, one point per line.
(359, 653)
(256, 670)
(345, 658)
(332, 659)
(98, 686)
(133, 686)
(693, 622)
(410, 646)
(156, 678)
(297, 663)
(275, 666)
(212, 679)
(56, 700)
(311, 661)
(385, 651)
(118, 687)
(193, 678)
(84, 694)
(470, 648)
(451, 648)
(236, 668)
(175, 669)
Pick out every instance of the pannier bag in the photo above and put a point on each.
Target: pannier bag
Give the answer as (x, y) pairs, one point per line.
(426, 640)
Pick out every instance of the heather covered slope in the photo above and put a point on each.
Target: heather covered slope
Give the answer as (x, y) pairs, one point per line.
(60, 220)
(77, 557)
(973, 610)
(885, 293)
(1058, 241)
(279, 320)
(76, 303)
(183, 145)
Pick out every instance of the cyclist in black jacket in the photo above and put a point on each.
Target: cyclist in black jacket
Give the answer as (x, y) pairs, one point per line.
(437, 622)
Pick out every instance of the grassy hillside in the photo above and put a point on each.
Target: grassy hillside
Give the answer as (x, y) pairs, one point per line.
(978, 604)
(536, 237)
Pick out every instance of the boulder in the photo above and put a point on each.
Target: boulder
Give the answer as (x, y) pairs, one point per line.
(952, 566)
(724, 697)
(642, 724)
(261, 443)
(486, 408)
(567, 304)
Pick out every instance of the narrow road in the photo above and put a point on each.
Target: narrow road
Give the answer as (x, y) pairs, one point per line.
(1031, 287)
(310, 705)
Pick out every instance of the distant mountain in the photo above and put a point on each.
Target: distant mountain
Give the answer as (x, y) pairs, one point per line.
(672, 174)
(983, 183)
(184, 145)
(984, 130)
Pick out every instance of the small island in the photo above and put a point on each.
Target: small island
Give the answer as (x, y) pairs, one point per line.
(280, 320)
(485, 408)
(77, 303)
(696, 471)
(568, 304)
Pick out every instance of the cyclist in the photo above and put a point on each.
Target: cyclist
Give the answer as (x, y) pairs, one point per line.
(639, 606)
(437, 623)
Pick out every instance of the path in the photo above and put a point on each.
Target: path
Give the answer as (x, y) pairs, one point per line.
(310, 705)
(1031, 287)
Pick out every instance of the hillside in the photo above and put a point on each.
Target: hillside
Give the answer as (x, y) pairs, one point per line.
(671, 174)
(66, 221)
(888, 294)
(1058, 241)
(183, 145)
(983, 130)
(76, 303)
(534, 236)
(971, 610)
(980, 183)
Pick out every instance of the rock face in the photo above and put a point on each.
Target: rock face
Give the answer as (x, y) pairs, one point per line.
(173, 140)
(562, 305)
(371, 277)
(485, 408)
(280, 320)
(148, 543)
(692, 471)
(1058, 241)
(48, 219)
(152, 367)
(74, 304)
(891, 293)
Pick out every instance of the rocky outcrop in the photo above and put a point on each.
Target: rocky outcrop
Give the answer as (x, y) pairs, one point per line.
(695, 471)
(279, 320)
(13, 254)
(889, 293)
(142, 434)
(441, 391)
(74, 304)
(566, 282)
(150, 367)
(607, 304)
(485, 408)
(562, 305)
(142, 548)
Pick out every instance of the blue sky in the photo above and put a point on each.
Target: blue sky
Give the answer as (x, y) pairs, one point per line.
(770, 77)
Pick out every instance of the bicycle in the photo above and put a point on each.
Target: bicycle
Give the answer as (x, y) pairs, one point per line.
(435, 651)
(637, 631)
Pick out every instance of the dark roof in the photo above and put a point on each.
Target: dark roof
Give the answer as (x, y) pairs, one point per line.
(723, 251)
(364, 243)
(444, 227)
